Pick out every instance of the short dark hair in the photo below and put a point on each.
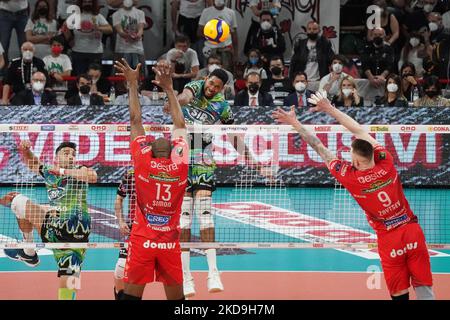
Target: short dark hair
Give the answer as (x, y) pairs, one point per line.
(95, 66)
(300, 73)
(66, 144)
(221, 74)
(339, 57)
(408, 65)
(431, 81)
(362, 148)
(182, 39)
(58, 39)
(266, 13)
(274, 58)
(214, 56)
(84, 76)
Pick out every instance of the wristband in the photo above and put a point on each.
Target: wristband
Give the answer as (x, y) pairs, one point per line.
(62, 171)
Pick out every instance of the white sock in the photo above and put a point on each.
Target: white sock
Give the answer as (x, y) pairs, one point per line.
(185, 261)
(211, 258)
(28, 237)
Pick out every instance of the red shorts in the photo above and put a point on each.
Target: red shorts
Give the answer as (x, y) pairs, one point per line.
(150, 261)
(404, 258)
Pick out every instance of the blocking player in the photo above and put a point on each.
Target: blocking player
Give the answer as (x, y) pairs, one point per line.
(125, 189)
(374, 183)
(160, 179)
(65, 219)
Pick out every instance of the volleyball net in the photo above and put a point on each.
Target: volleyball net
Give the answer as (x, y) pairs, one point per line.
(275, 192)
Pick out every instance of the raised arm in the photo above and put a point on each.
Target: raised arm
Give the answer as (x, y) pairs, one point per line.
(324, 105)
(132, 77)
(290, 118)
(29, 158)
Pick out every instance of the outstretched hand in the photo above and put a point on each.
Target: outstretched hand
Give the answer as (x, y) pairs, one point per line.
(163, 75)
(124, 69)
(321, 102)
(285, 117)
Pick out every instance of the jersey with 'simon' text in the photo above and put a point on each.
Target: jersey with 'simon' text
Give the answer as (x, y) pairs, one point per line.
(378, 191)
(160, 185)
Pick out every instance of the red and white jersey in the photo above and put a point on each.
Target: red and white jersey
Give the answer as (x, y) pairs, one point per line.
(378, 191)
(160, 185)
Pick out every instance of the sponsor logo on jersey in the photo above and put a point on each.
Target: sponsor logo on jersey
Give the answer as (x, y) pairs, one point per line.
(157, 220)
(202, 116)
(395, 222)
(164, 167)
(400, 252)
(55, 193)
(372, 176)
(382, 156)
(163, 176)
(159, 245)
(377, 186)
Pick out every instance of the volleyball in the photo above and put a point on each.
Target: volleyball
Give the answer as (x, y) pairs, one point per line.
(216, 31)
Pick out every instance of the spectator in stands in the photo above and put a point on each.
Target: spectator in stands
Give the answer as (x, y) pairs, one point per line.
(84, 96)
(87, 41)
(229, 49)
(300, 97)
(100, 85)
(413, 52)
(433, 94)
(439, 63)
(348, 95)
(277, 84)
(13, 16)
(312, 55)
(377, 59)
(258, 6)
(255, 64)
(214, 62)
(123, 99)
(40, 29)
(409, 82)
(57, 64)
(388, 22)
(184, 61)
(129, 23)
(2, 57)
(393, 96)
(437, 29)
(36, 95)
(253, 96)
(185, 19)
(330, 83)
(417, 18)
(267, 38)
(18, 75)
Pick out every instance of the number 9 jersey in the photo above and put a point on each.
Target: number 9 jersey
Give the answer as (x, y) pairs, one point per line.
(160, 186)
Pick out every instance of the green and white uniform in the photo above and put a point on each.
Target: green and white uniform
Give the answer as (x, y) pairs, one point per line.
(68, 219)
(204, 111)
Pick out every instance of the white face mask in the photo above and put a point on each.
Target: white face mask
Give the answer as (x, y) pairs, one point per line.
(414, 42)
(219, 3)
(38, 86)
(27, 55)
(266, 25)
(300, 87)
(347, 92)
(392, 87)
(212, 67)
(337, 67)
(433, 26)
(428, 8)
(127, 3)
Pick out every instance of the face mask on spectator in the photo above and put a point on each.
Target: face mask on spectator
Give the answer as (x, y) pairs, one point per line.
(347, 92)
(253, 88)
(219, 3)
(27, 55)
(213, 67)
(432, 93)
(428, 8)
(392, 87)
(254, 60)
(276, 71)
(313, 36)
(57, 50)
(337, 67)
(127, 3)
(266, 25)
(38, 86)
(300, 87)
(378, 41)
(43, 11)
(85, 89)
(414, 42)
(433, 26)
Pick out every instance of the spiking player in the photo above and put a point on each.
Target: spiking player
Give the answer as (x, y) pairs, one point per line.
(161, 171)
(65, 219)
(373, 181)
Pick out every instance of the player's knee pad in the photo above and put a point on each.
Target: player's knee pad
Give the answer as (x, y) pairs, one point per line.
(424, 293)
(19, 205)
(204, 212)
(186, 213)
(120, 267)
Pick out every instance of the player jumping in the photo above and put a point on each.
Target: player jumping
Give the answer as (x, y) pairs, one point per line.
(374, 183)
(65, 219)
(160, 179)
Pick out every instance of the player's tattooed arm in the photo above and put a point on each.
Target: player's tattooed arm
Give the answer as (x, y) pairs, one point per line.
(29, 158)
